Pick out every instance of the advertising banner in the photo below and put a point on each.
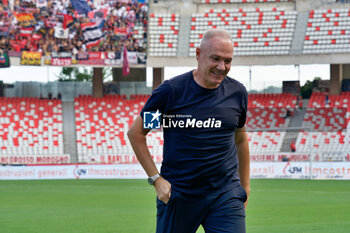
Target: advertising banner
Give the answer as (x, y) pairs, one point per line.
(72, 171)
(61, 59)
(278, 170)
(301, 170)
(31, 58)
(34, 159)
(57, 61)
(109, 58)
(92, 58)
(273, 157)
(15, 53)
(133, 58)
(113, 59)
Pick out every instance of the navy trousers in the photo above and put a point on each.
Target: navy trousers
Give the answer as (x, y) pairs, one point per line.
(222, 213)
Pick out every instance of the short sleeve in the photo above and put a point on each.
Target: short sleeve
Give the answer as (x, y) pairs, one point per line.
(159, 100)
(244, 104)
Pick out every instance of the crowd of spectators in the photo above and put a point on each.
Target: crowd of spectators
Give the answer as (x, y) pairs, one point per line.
(29, 26)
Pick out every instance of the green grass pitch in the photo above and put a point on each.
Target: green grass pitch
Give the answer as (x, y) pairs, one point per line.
(128, 206)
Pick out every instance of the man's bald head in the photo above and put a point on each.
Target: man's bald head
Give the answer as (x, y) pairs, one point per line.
(214, 56)
(208, 35)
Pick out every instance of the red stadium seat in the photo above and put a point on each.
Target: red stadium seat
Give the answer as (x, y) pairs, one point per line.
(30, 127)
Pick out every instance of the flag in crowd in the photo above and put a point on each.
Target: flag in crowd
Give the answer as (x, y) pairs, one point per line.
(126, 68)
(26, 31)
(81, 6)
(68, 21)
(92, 34)
(41, 3)
(25, 19)
(98, 16)
(53, 21)
(36, 36)
(61, 33)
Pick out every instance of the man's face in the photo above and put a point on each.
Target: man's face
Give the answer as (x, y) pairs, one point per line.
(214, 61)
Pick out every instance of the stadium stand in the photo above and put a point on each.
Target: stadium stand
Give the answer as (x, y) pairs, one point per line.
(254, 31)
(268, 111)
(243, 1)
(327, 113)
(31, 131)
(58, 26)
(31, 126)
(327, 119)
(328, 31)
(325, 146)
(101, 126)
(265, 142)
(163, 30)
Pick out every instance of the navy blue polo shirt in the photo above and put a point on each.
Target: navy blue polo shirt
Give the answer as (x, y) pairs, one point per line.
(199, 154)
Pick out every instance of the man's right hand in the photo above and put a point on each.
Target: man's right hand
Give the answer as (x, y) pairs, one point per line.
(163, 189)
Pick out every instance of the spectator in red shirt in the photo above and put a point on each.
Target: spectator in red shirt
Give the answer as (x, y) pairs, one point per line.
(292, 146)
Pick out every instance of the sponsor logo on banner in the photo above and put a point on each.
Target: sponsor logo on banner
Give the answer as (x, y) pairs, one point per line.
(79, 172)
(31, 58)
(289, 169)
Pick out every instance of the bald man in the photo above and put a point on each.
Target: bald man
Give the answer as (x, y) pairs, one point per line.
(204, 178)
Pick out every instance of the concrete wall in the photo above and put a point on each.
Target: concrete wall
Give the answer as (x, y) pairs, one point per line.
(68, 90)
